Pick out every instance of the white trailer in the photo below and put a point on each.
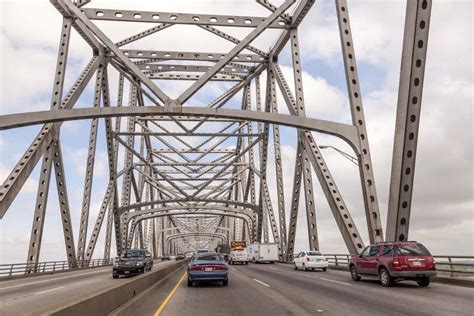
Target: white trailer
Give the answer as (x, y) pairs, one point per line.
(263, 252)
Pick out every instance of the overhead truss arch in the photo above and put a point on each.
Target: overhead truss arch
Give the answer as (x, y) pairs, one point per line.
(178, 171)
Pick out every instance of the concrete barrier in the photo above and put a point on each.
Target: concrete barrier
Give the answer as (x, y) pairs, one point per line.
(108, 300)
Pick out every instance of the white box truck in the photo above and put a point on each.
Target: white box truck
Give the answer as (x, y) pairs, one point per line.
(263, 252)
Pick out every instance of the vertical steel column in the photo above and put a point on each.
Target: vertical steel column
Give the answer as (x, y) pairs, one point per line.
(279, 184)
(86, 198)
(264, 199)
(369, 192)
(253, 199)
(45, 177)
(136, 240)
(112, 154)
(140, 235)
(306, 168)
(295, 201)
(415, 44)
(260, 215)
(162, 235)
(128, 159)
(108, 234)
(269, 104)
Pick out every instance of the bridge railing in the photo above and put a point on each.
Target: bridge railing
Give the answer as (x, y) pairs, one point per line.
(16, 269)
(453, 266)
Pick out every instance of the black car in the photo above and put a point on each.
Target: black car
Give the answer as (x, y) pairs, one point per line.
(131, 262)
(165, 257)
(180, 256)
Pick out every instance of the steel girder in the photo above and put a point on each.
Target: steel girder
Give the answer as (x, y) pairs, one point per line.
(415, 44)
(194, 172)
(343, 131)
(369, 192)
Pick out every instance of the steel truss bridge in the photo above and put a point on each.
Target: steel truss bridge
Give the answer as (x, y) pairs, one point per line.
(189, 176)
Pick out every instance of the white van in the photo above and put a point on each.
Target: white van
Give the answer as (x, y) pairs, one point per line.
(263, 252)
(239, 255)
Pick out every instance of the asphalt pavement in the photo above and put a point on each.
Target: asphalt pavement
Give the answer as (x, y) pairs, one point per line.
(254, 289)
(277, 289)
(37, 295)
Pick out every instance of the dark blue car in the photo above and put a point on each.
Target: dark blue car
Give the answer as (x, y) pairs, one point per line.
(207, 266)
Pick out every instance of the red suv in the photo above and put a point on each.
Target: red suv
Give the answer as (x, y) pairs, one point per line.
(394, 261)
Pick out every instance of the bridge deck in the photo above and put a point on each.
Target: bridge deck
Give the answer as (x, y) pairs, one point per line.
(44, 293)
(291, 292)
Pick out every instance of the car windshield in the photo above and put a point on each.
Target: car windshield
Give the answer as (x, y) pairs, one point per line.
(208, 257)
(314, 253)
(133, 254)
(412, 250)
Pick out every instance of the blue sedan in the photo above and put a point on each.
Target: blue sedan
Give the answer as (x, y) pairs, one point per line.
(208, 266)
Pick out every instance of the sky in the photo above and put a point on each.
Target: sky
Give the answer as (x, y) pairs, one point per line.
(443, 200)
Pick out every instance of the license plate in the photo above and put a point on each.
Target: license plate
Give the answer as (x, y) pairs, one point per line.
(417, 263)
(126, 272)
(207, 269)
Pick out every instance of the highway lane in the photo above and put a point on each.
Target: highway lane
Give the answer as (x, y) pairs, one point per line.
(242, 296)
(37, 295)
(265, 289)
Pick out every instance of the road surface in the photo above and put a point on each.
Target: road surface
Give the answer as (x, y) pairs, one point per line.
(36, 295)
(277, 289)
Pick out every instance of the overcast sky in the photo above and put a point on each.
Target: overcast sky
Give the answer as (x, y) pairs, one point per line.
(443, 200)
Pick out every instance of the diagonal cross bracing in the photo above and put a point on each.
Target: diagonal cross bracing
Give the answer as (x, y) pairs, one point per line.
(183, 172)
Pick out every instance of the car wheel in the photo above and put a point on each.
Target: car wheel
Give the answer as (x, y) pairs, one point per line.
(354, 274)
(115, 276)
(385, 278)
(190, 283)
(423, 282)
(325, 269)
(303, 267)
(225, 282)
(296, 268)
(246, 262)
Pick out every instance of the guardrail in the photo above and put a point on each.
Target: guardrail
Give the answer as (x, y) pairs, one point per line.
(16, 269)
(453, 266)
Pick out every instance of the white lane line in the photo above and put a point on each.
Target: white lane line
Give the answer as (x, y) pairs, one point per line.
(273, 268)
(334, 281)
(50, 280)
(233, 269)
(50, 290)
(258, 281)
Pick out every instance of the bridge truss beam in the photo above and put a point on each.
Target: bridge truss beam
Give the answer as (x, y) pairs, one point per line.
(193, 172)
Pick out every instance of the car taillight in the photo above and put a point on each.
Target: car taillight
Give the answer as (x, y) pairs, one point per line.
(196, 268)
(308, 259)
(219, 267)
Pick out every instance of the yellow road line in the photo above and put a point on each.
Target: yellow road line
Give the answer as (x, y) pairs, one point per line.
(168, 298)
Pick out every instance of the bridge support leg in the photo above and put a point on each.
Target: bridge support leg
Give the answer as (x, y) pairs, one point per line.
(45, 173)
(369, 192)
(415, 43)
